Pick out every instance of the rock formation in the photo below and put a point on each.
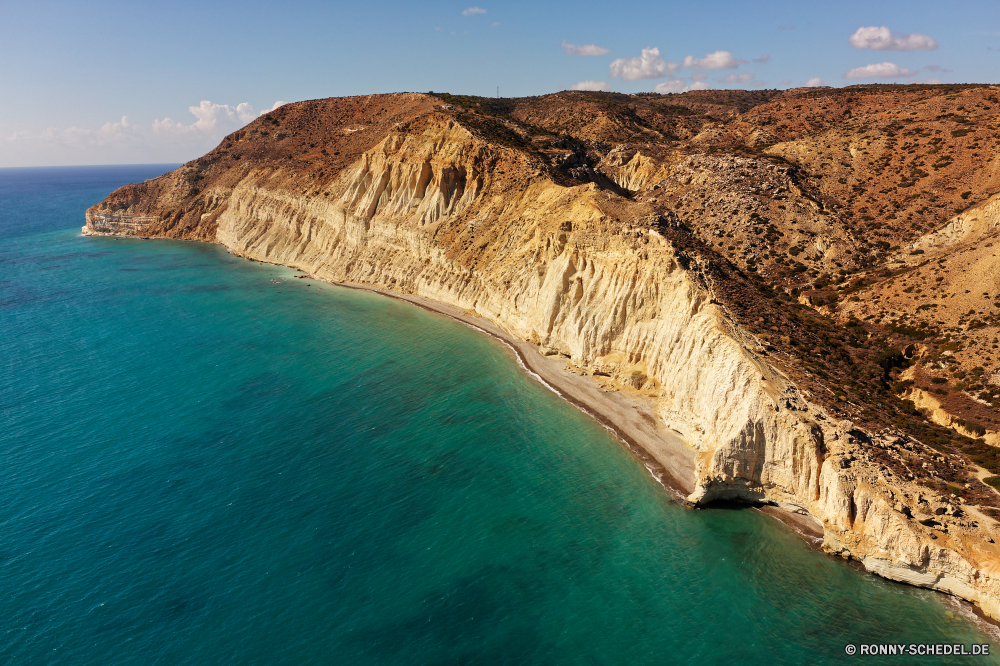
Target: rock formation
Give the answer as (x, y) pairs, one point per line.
(648, 241)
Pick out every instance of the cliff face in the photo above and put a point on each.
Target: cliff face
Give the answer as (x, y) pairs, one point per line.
(447, 207)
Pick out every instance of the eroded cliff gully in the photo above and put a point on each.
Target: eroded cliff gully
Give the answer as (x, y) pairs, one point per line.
(429, 206)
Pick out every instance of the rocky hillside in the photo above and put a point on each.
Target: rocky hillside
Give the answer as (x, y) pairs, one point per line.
(799, 282)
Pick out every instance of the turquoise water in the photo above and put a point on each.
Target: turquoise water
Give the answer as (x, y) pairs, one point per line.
(205, 462)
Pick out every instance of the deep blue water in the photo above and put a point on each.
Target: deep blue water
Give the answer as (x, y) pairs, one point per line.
(205, 462)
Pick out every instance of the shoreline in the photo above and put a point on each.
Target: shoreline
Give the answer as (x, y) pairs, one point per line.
(629, 419)
(665, 455)
(638, 432)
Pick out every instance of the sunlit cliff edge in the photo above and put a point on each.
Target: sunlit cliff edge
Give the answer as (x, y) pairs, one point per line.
(655, 243)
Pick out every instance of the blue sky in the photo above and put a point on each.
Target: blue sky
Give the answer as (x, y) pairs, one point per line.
(109, 82)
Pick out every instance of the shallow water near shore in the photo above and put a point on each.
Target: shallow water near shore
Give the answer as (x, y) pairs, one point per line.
(206, 461)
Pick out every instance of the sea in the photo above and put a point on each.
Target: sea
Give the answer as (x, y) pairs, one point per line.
(204, 460)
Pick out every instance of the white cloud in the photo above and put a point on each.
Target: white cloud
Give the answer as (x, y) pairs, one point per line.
(883, 70)
(472, 11)
(647, 66)
(933, 82)
(765, 58)
(880, 38)
(109, 132)
(276, 105)
(214, 119)
(715, 60)
(814, 82)
(495, 24)
(737, 78)
(584, 50)
(210, 116)
(126, 142)
(699, 76)
(679, 86)
(590, 85)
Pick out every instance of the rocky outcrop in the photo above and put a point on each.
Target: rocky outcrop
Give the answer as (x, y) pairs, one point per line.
(630, 169)
(936, 412)
(435, 210)
(966, 227)
(119, 225)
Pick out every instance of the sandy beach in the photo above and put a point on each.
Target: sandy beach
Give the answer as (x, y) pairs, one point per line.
(664, 453)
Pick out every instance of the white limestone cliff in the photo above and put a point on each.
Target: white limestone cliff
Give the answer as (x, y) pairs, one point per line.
(430, 212)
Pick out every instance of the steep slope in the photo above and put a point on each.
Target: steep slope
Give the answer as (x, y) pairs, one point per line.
(597, 254)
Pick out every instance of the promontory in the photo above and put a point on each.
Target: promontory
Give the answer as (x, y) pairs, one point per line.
(801, 285)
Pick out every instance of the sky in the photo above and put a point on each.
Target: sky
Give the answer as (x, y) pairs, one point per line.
(124, 83)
